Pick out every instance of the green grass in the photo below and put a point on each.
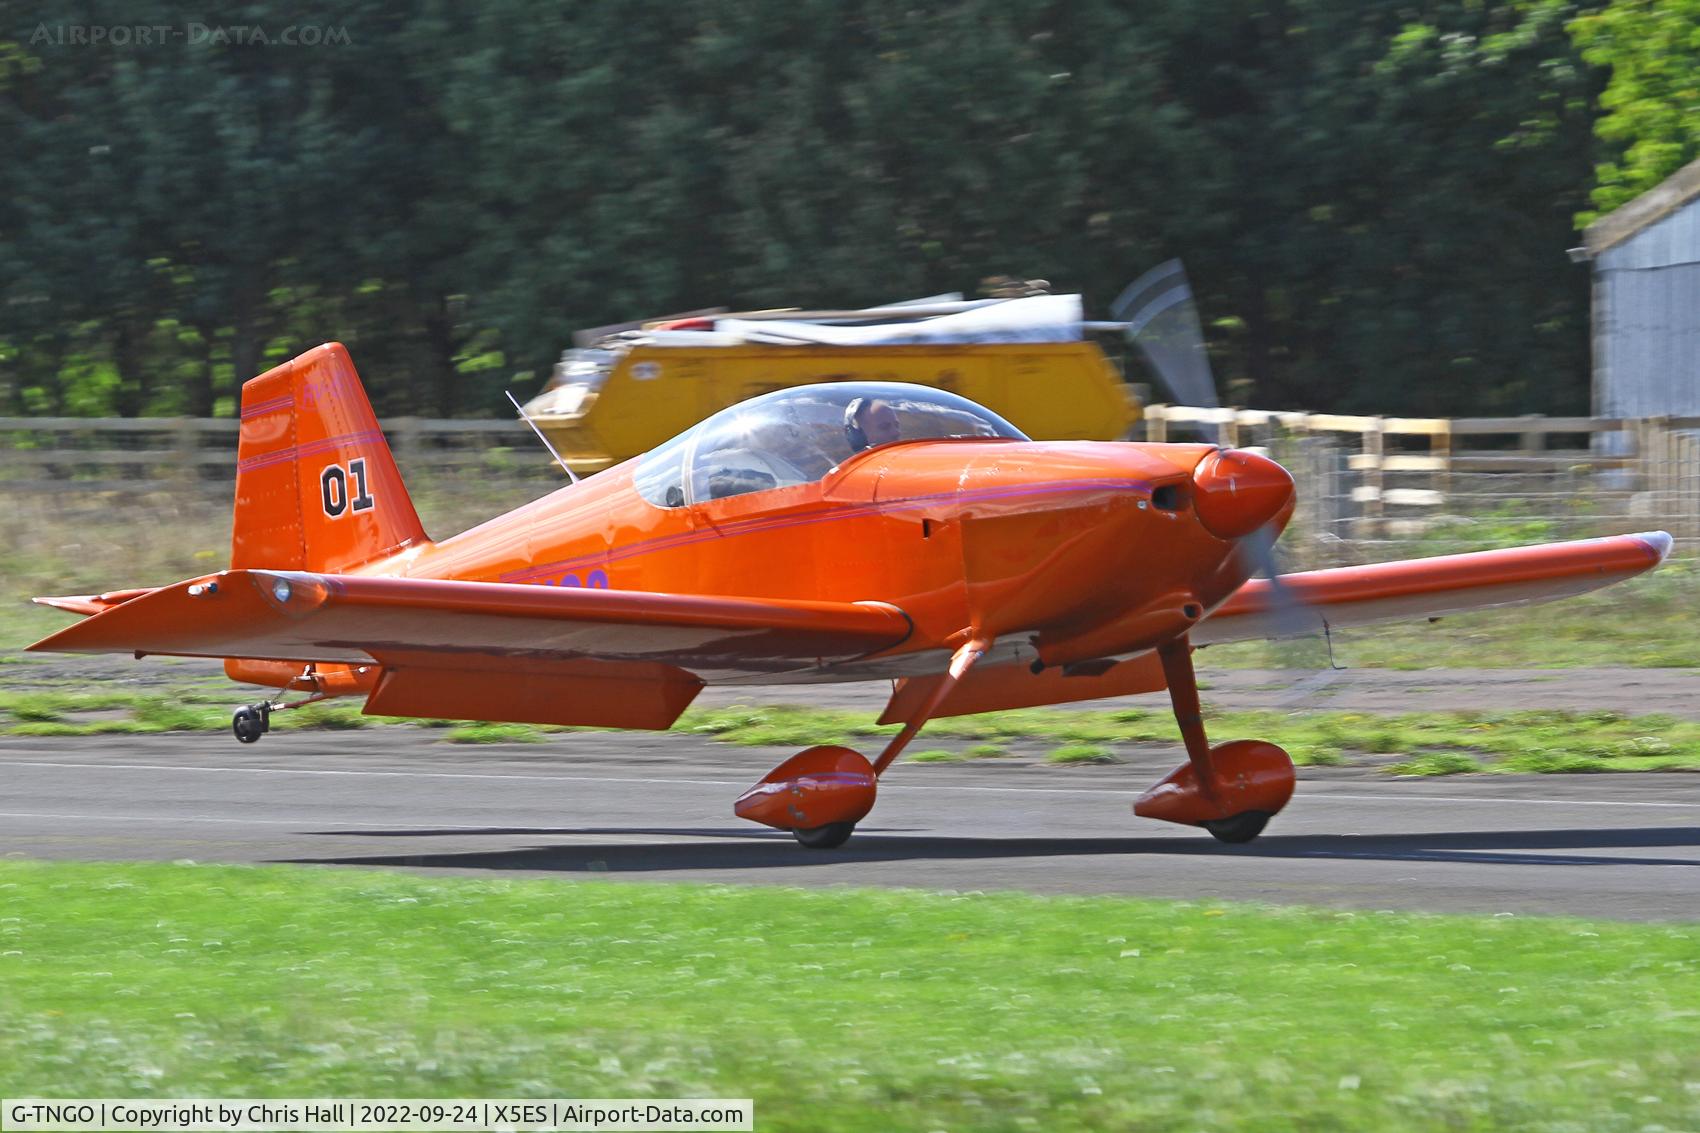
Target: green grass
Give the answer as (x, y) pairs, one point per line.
(1432, 743)
(34, 708)
(333, 715)
(1080, 753)
(495, 734)
(783, 726)
(190, 708)
(1493, 741)
(98, 728)
(1438, 763)
(167, 716)
(942, 755)
(838, 1009)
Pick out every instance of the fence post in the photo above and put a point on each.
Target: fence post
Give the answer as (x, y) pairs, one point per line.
(1374, 445)
(1156, 423)
(1688, 483)
(186, 443)
(1534, 439)
(1325, 490)
(1440, 444)
(1661, 454)
(1692, 444)
(1641, 481)
(408, 441)
(1228, 429)
(1694, 485)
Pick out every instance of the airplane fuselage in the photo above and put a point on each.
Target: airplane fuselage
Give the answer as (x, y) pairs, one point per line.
(1074, 541)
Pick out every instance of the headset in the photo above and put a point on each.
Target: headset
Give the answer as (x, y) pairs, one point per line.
(853, 429)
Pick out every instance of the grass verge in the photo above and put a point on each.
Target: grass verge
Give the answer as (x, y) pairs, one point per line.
(839, 1009)
(1434, 742)
(1080, 753)
(1431, 743)
(495, 734)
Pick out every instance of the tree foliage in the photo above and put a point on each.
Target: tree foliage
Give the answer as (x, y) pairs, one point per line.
(1373, 198)
(1651, 106)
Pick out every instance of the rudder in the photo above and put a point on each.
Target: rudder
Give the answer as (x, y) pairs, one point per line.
(316, 486)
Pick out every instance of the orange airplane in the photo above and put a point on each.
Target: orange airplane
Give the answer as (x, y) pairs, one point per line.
(837, 532)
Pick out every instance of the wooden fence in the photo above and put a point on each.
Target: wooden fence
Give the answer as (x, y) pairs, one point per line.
(142, 454)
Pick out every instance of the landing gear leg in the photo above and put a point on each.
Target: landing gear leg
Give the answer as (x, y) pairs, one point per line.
(1233, 789)
(820, 793)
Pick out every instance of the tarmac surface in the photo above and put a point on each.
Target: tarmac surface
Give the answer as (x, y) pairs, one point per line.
(658, 807)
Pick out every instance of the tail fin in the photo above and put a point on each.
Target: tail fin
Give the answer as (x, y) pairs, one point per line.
(316, 486)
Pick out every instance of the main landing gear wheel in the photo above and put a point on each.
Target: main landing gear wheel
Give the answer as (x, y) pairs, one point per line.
(1242, 827)
(251, 721)
(828, 837)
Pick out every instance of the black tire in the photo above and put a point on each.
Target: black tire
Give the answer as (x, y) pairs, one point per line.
(247, 724)
(828, 837)
(1239, 828)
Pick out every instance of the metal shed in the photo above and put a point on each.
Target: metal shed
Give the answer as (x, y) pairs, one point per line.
(1646, 317)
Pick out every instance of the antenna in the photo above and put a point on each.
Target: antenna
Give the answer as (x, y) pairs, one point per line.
(520, 409)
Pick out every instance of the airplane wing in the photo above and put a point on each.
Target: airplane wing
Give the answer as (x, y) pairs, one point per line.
(1427, 588)
(487, 650)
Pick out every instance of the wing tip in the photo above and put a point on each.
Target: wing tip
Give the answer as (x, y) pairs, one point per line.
(84, 604)
(1658, 542)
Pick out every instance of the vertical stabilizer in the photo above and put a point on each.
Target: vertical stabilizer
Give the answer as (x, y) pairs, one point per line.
(316, 486)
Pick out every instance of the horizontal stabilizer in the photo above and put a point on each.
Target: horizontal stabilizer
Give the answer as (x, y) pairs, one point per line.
(87, 604)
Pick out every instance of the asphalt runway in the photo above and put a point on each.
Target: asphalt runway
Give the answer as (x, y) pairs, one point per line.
(644, 806)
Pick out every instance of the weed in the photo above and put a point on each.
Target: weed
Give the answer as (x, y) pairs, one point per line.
(1080, 753)
(1438, 763)
(495, 734)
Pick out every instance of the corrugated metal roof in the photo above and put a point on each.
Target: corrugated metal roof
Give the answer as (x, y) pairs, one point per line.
(1661, 200)
(1675, 239)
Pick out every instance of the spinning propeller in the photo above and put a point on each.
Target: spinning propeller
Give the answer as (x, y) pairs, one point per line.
(1159, 316)
(1239, 493)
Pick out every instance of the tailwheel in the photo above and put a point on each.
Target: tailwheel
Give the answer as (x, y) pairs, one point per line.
(1241, 827)
(251, 721)
(828, 837)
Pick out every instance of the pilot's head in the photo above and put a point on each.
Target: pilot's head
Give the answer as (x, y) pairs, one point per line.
(868, 422)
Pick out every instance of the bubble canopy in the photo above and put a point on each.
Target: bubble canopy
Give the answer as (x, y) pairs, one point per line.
(798, 435)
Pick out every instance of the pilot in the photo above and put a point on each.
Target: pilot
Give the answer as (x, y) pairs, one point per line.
(869, 422)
